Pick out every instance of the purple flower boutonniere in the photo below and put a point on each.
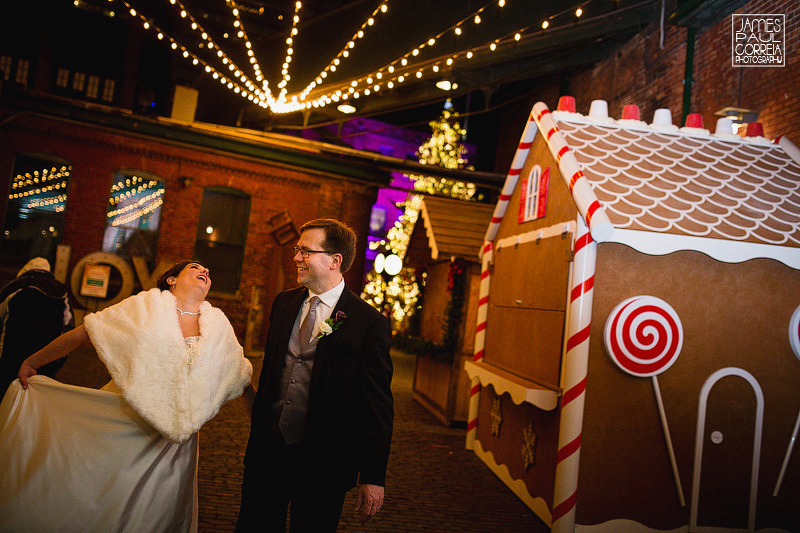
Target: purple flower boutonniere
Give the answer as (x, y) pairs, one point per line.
(329, 325)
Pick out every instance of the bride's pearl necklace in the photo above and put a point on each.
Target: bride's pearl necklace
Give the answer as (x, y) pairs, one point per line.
(182, 312)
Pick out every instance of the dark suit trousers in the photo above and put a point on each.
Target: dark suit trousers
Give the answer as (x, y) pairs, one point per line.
(284, 480)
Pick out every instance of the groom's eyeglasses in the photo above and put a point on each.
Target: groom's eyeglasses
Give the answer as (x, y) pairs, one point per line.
(305, 252)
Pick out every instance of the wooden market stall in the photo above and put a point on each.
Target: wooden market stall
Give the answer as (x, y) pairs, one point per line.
(444, 246)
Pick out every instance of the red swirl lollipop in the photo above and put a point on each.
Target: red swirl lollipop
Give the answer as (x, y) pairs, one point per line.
(794, 342)
(643, 336)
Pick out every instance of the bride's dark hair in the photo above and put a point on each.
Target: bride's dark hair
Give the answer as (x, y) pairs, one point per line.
(173, 271)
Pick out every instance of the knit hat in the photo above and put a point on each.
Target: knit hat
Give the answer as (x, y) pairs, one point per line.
(37, 263)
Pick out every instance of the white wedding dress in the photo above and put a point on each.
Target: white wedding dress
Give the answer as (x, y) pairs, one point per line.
(79, 459)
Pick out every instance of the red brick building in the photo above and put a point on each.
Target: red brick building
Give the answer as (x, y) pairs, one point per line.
(279, 182)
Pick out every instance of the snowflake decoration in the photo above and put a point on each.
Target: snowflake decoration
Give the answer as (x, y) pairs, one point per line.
(497, 417)
(528, 446)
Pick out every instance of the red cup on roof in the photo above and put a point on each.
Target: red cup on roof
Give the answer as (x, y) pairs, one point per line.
(566, 103)
(755, 129)
(630, 112)
(694, 120)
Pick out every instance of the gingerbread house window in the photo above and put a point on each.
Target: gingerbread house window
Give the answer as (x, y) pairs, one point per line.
(534, 194)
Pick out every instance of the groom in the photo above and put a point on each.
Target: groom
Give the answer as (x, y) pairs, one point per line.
(322, 415)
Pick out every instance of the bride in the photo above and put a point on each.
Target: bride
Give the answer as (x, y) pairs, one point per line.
(122, 458)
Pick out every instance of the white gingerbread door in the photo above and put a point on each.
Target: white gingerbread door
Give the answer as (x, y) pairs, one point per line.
(727, 451)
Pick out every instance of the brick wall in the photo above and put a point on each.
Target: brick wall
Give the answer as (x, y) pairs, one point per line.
(96, 154)
(644, 73)
(773, 91)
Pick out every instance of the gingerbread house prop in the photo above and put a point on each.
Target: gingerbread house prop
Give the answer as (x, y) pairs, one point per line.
(445, 244)
(637, 350)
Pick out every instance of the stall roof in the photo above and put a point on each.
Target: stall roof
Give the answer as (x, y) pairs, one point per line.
(454, 227)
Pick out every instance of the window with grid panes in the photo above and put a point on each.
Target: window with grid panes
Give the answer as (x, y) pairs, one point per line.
(221, 235)
(34, 214)
(133, 215)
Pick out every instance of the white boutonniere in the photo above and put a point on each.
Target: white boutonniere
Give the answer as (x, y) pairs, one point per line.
(329, 325)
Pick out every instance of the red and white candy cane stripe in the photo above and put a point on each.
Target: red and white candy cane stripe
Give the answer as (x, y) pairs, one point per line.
(525, 143)
(575, 366)
(789, 147)
(512, 177)
(585, 199)
(480, 342)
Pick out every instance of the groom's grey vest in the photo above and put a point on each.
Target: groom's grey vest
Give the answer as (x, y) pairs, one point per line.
(295, 380)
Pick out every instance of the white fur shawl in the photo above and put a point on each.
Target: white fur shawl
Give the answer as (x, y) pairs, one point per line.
(140, 341)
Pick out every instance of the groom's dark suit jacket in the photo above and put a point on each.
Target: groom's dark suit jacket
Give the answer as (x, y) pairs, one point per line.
(350, 408)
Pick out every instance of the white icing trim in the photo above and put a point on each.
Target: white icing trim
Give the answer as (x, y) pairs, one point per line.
(790, 148)
(520, 390)
(426, 219)
(633, 124)
(669, 129)
(629, 526)
(653, 243)
(556, 230)
(517, 486)
(700, 438)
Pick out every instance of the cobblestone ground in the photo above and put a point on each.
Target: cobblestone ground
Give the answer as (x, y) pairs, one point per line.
(433, 483)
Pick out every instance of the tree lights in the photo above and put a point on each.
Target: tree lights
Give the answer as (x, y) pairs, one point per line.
(399, 293)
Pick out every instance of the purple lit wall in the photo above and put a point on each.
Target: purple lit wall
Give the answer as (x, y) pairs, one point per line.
(384, 139)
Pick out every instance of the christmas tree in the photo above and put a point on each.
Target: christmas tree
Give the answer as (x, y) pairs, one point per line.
(399, 294)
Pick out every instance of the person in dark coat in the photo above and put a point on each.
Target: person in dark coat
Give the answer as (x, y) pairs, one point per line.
(323, 412)
(34, 310)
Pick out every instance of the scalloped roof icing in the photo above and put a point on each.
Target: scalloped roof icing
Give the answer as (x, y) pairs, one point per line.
(671, 180)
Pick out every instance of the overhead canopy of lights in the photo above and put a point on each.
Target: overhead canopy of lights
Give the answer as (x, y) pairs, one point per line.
(252, 84)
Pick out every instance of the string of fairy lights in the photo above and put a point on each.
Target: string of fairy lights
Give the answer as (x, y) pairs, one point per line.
(45, 188)
(317, 93)
(242, 34)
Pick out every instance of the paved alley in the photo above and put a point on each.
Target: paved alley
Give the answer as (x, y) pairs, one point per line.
(433, 483)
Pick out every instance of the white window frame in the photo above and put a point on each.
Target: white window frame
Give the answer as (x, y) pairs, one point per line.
(532, 193)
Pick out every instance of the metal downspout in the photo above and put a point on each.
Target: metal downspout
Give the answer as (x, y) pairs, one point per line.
(688, 80)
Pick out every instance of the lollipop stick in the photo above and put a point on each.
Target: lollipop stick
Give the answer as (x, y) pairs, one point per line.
(786, 457)
(669, 442)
